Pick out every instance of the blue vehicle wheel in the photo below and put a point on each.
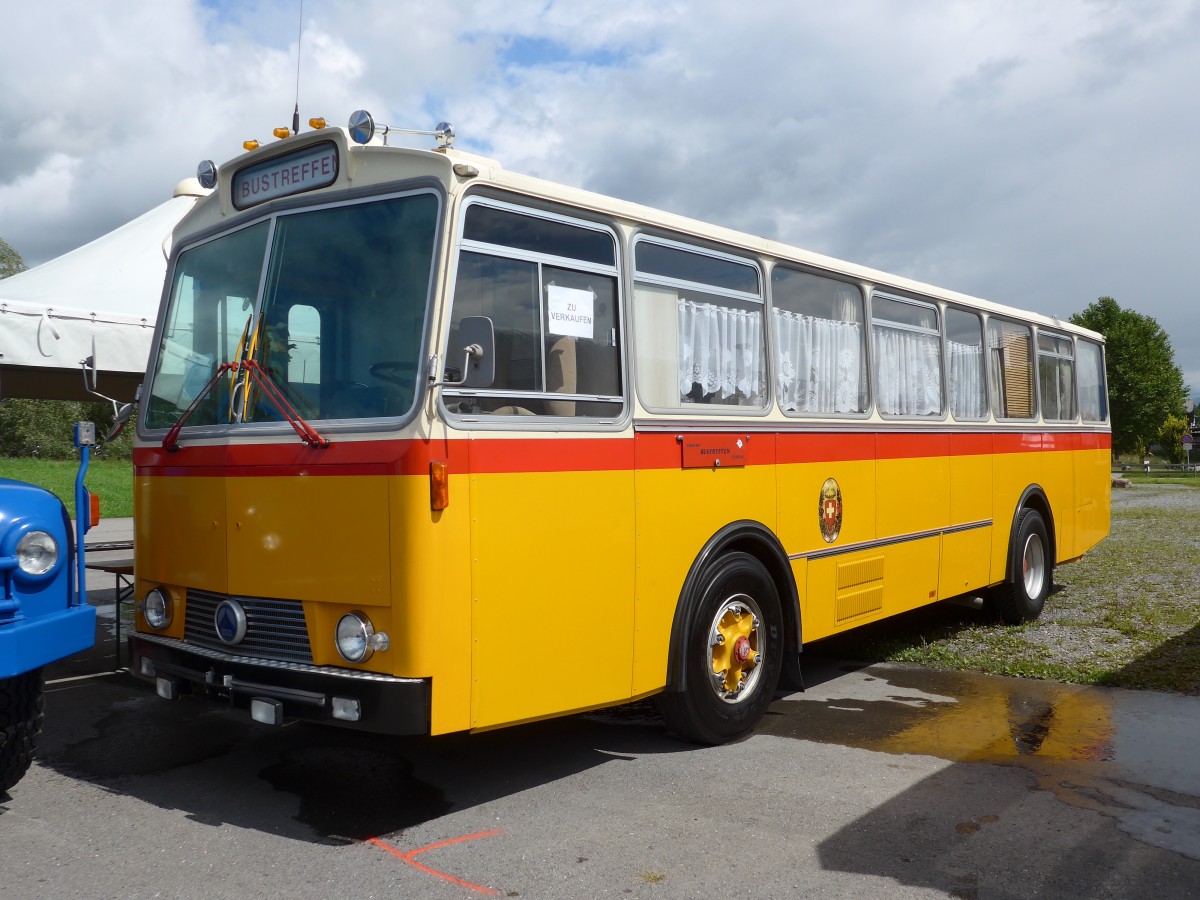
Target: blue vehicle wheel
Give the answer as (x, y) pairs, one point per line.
(20, 725)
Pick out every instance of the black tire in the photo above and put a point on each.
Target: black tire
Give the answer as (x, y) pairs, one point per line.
(737, 600)
(1022, 597)
(20, 725)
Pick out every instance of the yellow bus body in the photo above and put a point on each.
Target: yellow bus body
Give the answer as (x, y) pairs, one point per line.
(552, 580)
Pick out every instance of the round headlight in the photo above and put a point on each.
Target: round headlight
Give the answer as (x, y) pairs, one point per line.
(157, 609)
(354, 633)
(37, 552)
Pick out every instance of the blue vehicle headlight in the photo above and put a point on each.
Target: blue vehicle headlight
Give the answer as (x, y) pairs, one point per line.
(37, 552)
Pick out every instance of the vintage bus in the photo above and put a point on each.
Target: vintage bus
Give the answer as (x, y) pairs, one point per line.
(428, 446)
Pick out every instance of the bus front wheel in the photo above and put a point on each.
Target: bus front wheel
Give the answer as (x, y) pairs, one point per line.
(20, 724)
(732, 655)
(1022, 597)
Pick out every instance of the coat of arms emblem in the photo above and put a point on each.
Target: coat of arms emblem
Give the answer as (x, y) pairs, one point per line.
(831, 510)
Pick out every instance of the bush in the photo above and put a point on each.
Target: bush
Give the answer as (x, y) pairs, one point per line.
(43, 429)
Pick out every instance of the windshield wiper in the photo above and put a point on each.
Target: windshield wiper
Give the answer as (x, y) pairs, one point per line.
(254, 371)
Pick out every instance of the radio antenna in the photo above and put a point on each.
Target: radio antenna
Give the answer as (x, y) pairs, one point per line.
(299, 38)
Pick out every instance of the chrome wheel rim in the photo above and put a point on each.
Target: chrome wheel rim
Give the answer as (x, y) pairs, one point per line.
(736, 645)
(1033, 565)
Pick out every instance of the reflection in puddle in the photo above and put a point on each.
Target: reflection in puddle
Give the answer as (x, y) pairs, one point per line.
(1070, 737)
(953, 716)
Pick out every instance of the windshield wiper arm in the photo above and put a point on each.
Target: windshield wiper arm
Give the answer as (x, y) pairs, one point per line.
(307, 433)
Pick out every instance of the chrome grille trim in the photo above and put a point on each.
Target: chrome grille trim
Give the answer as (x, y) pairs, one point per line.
(352, 674)
(275, 629)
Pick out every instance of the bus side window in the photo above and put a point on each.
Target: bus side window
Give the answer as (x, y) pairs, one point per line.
(1093, 404)
(908, 357)
(1010, 351)
(820, 364)
(699, 319)
(556, 326)
(964, 365)
(1056, 376)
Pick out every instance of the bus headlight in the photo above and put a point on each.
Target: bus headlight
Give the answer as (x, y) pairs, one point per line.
(357, 639)
(37, 552)
(157, 609)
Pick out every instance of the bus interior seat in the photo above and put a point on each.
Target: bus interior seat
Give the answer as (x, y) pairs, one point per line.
(561, 375)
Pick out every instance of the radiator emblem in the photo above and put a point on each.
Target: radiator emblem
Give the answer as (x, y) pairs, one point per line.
(230, 622)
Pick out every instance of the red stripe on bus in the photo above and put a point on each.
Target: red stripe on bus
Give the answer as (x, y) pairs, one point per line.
(647, 450)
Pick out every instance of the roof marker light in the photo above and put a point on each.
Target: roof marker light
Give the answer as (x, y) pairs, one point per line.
(250, 144)
(282, 131)
(318, 123)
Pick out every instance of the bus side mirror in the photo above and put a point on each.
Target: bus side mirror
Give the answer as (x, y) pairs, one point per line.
(124, 411)
(477, 343)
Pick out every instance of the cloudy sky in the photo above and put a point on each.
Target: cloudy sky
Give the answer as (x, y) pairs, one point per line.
(1037, 154)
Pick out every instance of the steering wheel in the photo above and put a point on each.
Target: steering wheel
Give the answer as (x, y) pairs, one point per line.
(396, 372)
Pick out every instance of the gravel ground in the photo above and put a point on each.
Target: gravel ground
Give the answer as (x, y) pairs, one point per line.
(1125, 615)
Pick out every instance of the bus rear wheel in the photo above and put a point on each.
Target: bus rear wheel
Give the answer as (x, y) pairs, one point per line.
(1021, 598)
(20, 724)
(733, 654)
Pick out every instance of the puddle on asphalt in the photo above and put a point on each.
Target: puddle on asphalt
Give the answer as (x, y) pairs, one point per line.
(954, 716)
(1122, 754)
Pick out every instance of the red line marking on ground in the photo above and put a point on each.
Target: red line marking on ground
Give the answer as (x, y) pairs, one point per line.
(408, 858)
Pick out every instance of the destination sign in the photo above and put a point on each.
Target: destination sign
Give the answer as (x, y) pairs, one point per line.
(305, 170)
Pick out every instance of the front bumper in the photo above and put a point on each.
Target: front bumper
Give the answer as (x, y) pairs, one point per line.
(386, 705)
(28, 644)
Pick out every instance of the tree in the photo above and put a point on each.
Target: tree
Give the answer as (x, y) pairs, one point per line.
(1170, 438)
(1145, 386)
(10, 260)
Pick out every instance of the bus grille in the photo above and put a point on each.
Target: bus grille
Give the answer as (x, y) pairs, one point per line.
(275, 629)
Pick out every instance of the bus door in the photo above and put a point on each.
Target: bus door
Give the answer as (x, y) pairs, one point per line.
(552, 536)
(551, 476)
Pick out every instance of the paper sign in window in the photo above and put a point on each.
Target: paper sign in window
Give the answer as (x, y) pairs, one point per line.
(569, 311)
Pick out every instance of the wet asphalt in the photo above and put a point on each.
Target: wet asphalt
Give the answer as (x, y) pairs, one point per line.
(876, 781)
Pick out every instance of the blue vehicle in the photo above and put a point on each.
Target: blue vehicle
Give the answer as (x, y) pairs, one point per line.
(44, 614)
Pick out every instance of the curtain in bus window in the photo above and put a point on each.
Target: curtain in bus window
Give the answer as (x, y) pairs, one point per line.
(965, 375)
(909, 373)
(819, 370)
(720, 354)
(1014, 366)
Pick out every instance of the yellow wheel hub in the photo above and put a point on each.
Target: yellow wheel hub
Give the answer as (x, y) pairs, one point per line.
(736, 648)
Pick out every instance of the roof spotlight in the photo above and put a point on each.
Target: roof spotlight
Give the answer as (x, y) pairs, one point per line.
(206, 174)
(363, 128)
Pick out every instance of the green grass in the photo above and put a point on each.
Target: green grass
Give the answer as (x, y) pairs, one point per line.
(112, 480)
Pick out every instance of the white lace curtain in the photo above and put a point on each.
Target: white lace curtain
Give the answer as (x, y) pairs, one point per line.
(908, 372)
(819, 363)
(965, 376)
(721, 350)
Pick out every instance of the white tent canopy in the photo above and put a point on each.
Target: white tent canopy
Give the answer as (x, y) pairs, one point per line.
(106, 292)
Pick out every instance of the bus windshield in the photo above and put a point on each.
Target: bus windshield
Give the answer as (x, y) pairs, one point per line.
(331, 303)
